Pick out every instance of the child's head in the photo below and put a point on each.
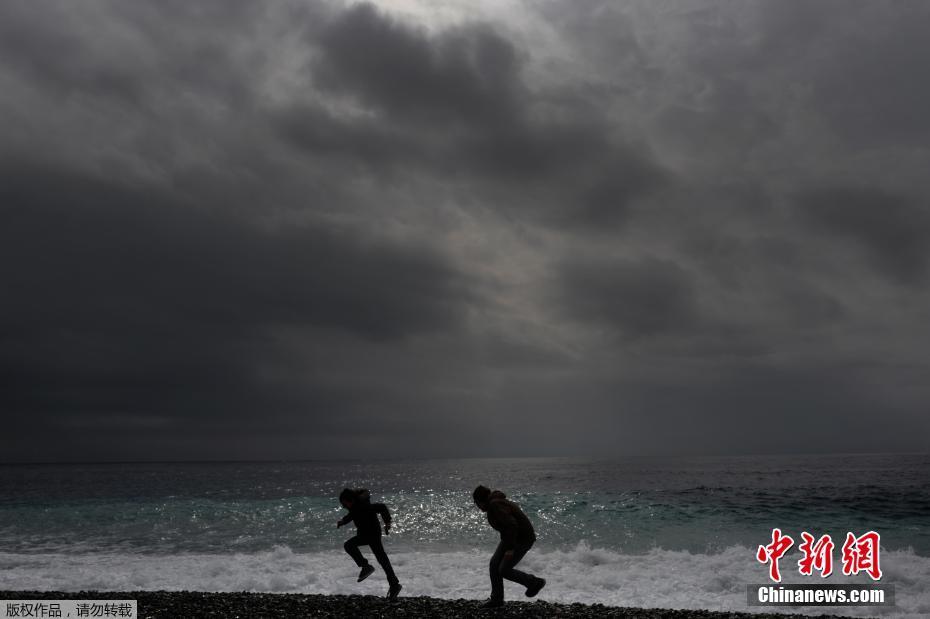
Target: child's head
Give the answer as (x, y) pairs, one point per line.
(347, 498)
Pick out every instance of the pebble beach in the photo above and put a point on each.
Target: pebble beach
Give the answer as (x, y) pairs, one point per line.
(178, 604)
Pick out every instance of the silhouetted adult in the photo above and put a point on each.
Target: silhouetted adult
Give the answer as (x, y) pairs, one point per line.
(368, 533)
(517, 537)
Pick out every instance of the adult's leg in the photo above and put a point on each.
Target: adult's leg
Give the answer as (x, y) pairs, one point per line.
(378, 549)
(497, 581)
(507, 567)
(351, 547)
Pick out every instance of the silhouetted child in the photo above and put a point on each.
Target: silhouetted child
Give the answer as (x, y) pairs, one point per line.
(517, 537)
(365, 515)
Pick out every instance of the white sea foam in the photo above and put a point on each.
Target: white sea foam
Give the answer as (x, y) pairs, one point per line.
(659, 578)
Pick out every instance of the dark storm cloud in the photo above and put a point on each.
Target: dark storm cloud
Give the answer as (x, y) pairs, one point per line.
(750, 407)
(892, 230)
(126, 308)
(456, 103)
(130, 253)
(639, 298)
(69, 52)
(878, 97)
(366, 144)
(468, 76)
(302, 229)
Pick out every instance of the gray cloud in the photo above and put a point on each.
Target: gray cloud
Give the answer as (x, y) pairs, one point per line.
(310, 230)
(153, 259)
(468, 76)
(125, 305)
(892, 230)
(457, 103)
(640, 299)
(878, 99)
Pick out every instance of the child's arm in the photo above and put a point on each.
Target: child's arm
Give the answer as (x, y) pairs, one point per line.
(344, 520)
(381, 508)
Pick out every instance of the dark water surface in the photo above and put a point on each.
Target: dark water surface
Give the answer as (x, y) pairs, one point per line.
(631, 505)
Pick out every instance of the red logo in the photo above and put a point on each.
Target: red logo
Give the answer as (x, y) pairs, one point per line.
(773, 552)
(817, 556)
(860, 554)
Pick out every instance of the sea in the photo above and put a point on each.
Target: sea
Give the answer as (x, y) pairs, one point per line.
(645, 532)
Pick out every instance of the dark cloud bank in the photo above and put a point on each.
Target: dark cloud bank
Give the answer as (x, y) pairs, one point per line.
(304, 230)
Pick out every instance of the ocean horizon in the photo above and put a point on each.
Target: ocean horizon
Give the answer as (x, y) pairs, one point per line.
(651, 532)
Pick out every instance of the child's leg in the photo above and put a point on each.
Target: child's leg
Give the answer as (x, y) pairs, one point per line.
(351, 547)
(378, 548)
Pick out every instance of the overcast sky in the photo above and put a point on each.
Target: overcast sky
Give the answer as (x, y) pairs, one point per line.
(308, 230)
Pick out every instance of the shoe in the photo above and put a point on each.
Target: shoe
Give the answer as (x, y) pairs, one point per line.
(365, 573)
(532, 591)
(492, 603)
(394, 590)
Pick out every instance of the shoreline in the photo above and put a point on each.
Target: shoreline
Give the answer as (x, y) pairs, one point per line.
(165, 604)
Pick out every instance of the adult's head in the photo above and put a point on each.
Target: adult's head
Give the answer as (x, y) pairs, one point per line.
(481, 495)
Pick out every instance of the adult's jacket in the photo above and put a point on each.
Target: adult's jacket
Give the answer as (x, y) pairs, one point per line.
(507, 518)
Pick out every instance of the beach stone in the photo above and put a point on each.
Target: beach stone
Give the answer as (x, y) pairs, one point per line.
(173, 604)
